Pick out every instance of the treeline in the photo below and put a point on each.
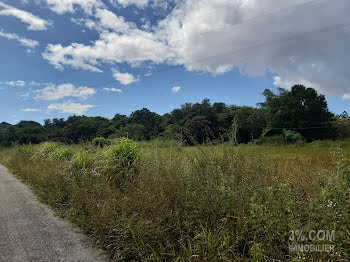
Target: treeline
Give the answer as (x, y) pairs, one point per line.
(299, 113)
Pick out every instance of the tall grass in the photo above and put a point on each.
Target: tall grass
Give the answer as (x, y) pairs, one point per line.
(219, 203)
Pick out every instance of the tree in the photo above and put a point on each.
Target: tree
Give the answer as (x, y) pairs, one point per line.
(4, 125)
(151, 122)
(301, 109)
(23, 133)
(251, 123)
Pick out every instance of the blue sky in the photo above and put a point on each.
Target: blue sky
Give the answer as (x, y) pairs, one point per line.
(93, 57)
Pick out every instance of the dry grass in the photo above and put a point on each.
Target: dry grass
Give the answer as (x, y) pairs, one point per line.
(210, 203)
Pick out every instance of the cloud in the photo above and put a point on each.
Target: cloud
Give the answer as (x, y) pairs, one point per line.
(65, 90)
(108, 20)
(134, 48)
(34, 23)
(159, 4)
(212, 36)
(124, 78)
(18, 83)
(23, 41)
(217, 37)
(30, 110)
(70, 107)
(119, 42)
(176, 89)
(113, 90)
(138, 3)
(67, 6)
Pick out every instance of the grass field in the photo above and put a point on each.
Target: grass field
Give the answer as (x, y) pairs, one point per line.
(159, 202)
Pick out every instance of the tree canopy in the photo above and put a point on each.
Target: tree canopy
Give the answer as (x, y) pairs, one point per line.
(300, 109)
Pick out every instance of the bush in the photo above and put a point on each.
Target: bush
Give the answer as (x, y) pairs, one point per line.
(55, 151)
(275, 140)
(122, 154)
(101, 141)
(62, 153)
(46, 149)
(82, 160)
(292, 136)
(287, 137)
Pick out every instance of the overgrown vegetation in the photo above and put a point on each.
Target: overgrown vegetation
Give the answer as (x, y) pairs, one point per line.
(209, 203)
(301, 110)
(254, 175)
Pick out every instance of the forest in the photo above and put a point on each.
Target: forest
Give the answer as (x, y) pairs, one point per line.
(288, 116)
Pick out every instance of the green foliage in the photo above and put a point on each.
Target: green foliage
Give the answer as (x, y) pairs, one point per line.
(287, 137)
(82, 160)
(101, 141)
(46, 149)
(25, 132)
(342, 125)
(292, 136)
(52, 150)
(122, 154)
(62, 153)
(301, 108)
(202, 203)
(272, 140)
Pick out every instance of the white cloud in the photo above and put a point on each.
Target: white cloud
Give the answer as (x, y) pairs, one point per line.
(26, 95)
(18, 83)
(138, 3)
(31, 110)
(216, 37)
(108, 20)
(124, 78)
(176, 89)
(317, 60)
(65, 90)
(23, 41)
(34, 22)
(159, 4)
(119, 42)
(21, 83)
(70, 107)
(67, 6)
(133, 48)
(113, 90)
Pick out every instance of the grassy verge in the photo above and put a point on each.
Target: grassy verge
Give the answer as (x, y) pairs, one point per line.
(218, 203)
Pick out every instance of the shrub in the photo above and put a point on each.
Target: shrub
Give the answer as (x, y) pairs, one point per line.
(82, 160)
(101, 141)
(46, 149)
(122, 154)
(55, 151)
(292, 136)
(61, 153)
(276, 140)
(287, 137)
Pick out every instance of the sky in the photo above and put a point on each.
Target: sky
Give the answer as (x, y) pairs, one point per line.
(102, 57)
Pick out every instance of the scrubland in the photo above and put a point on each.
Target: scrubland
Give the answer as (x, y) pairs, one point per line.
(164, 202)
